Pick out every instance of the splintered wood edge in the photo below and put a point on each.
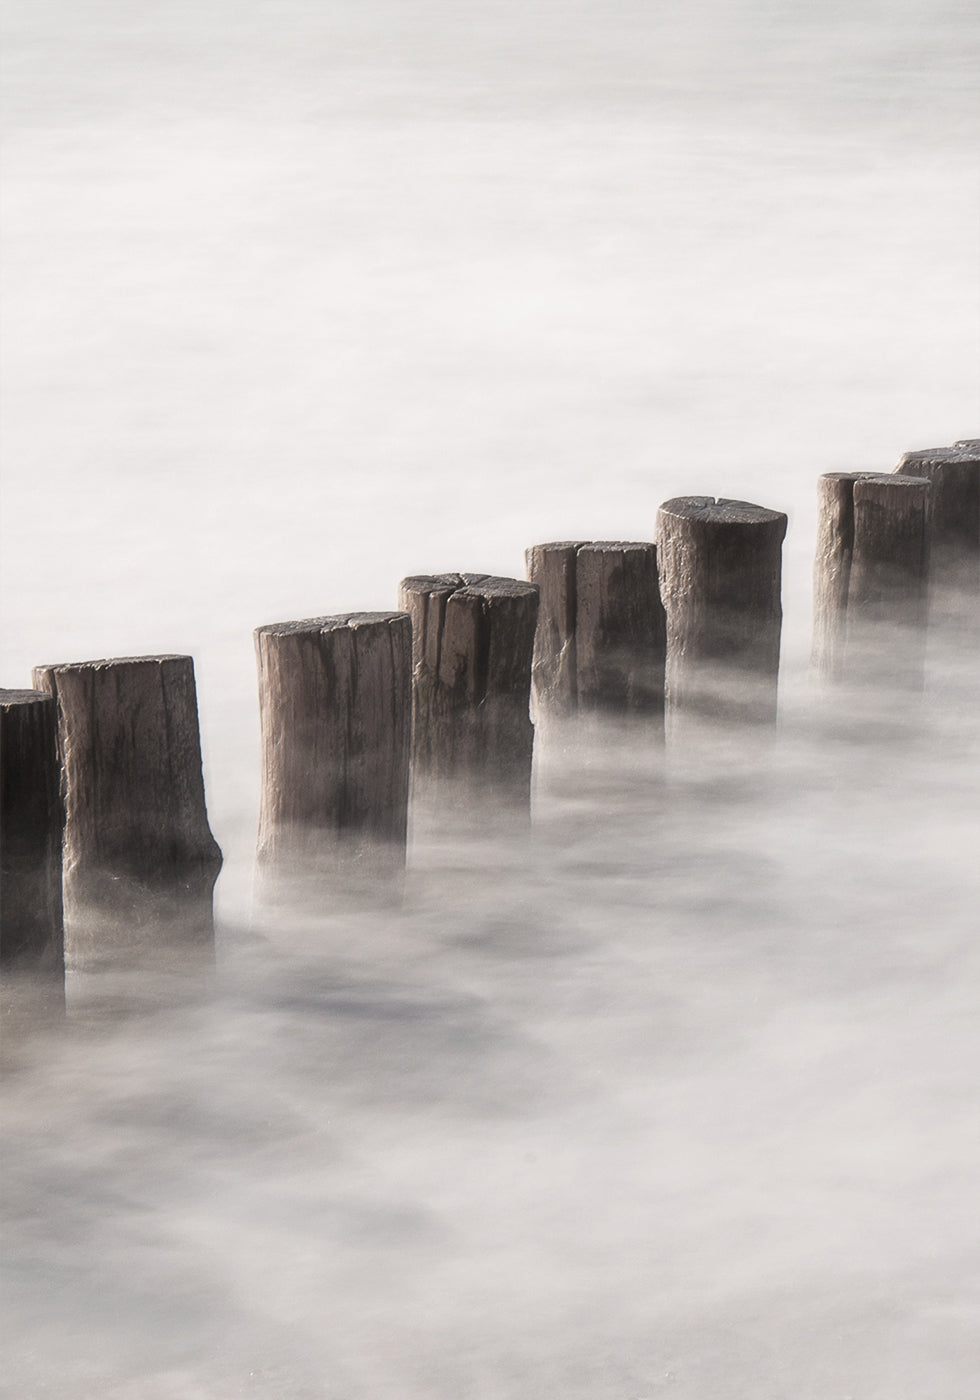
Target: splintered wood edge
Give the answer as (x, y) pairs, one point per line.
(100, 665)
(10, 698)
(331, 624)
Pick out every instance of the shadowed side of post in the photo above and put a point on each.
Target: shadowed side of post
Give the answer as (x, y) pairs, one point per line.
(32, 955)
(888, 588)
(335, 710)
(473, 642)
(720, 568)
(140, 859)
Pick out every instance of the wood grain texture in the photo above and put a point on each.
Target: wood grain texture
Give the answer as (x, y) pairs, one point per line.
(601, 638)
(552, 567)
(335, 707)
(139, 854)
(832, 568)
(31, 826)
(473, 642)
(720, 568)
(954, 473)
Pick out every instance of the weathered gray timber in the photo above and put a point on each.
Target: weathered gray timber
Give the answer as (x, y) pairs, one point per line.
(552, 568)
(335, 703)
(140, 860)
(955, 476)
(888, 590)
(720, 580)
(870, 576)
(31, 825)
(600, 644)
(472, 646)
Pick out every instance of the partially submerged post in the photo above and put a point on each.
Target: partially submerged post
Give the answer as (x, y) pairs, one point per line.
(601, 638)
(888, 591)
(473, 641)
(955, 476)
(720, 574)
(335, 703)
(870, 576)
(31, 821)
(140, 860)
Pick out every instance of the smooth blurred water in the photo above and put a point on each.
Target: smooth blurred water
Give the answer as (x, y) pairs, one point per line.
(678, 1097)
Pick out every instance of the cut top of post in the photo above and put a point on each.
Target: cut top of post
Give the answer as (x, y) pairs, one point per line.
(10, 699)
(426, 596)
(723, 512)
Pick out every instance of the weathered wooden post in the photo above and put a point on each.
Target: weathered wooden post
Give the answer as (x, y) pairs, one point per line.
(888, 590)
(472, 646)
(31, 823)
(870, 576)
(140, 860)
(720, 576)
(600, 644)
(335, 705)
(955, 476)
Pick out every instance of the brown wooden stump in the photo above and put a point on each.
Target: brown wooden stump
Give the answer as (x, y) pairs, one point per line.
(955, 476)
(600, 644)
(720, 574)
(32, 945)
(870, 577)
(473, 641)
(140, 860)
(335, 704)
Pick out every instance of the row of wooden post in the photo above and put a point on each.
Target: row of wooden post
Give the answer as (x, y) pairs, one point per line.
(108, 753)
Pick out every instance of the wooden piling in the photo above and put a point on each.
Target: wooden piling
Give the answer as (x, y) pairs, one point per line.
(870, 576)
(31, 825)
(720, 568)
(472, 647)
(140, 860)
(600, 644)
(335, 705)
(955, 476)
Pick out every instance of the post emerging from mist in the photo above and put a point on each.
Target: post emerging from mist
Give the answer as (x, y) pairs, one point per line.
(32, 951)
(335, 706)
(472, 647)
(720, 566)
(955, 476)
(140, 861)
(601, 639)
(871, 577)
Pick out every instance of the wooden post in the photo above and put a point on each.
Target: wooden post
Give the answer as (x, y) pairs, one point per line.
(335, 704)
(720, 573)
(955, 476)
(140, 860)
(888, 590)
(31, 822)
(552, 567)
(870, 576)
(473, 641)
(600, 644)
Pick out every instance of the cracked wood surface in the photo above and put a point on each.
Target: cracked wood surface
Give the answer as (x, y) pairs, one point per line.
(473, 641)
(335, 706)
(601, 638)
(720, 565)
(139, 855)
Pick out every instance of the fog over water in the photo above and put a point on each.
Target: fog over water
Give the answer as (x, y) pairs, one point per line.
(676, 1095)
